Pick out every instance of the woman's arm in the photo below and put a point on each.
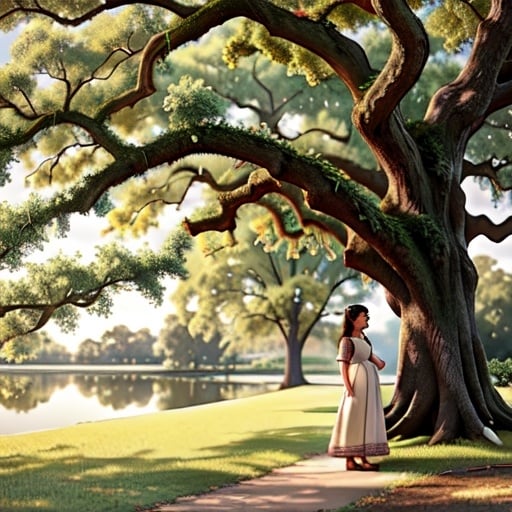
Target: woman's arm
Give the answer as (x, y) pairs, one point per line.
(346, 379)
(377, 361)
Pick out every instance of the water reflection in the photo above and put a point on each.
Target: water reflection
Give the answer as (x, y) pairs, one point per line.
(38, 401)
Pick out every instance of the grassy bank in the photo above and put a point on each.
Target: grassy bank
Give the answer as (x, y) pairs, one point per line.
(132, 463)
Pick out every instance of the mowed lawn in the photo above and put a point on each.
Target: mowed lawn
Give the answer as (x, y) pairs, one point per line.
(128, 464)
(132, 462)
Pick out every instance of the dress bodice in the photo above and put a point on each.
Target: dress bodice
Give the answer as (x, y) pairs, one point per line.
(362, 350)
(354, 350)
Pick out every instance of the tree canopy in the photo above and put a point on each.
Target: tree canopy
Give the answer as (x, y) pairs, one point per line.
(77, 106)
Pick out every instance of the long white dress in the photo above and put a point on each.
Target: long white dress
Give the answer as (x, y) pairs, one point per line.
(360, 429)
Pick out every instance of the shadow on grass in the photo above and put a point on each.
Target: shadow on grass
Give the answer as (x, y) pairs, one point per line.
(416, 456)
(60, 478)
(322, 410)
(73, 482)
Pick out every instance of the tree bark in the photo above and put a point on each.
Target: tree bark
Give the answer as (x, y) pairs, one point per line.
(443, 388)
(293, 373)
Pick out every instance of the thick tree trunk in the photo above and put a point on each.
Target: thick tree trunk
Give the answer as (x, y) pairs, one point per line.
(293, 374)
(443, 388)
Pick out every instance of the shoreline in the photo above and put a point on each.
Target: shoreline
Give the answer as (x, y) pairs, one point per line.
(236, 376)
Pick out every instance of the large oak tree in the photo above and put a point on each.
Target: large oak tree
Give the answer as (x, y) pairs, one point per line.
(403, 222)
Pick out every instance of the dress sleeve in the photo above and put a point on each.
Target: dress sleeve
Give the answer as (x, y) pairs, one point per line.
(346, 351)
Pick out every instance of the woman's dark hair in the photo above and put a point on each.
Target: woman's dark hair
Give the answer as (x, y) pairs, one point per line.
(351, 313)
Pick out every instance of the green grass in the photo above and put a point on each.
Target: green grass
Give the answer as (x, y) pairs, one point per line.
(131, 463)
(414, 456)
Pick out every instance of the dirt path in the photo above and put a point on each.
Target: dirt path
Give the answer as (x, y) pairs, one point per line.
(475, 490)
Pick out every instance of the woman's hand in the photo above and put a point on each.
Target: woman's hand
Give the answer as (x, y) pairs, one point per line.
(346, 379)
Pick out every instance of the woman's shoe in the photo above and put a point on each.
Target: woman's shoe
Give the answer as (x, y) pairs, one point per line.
(368, 466)
(352, 465)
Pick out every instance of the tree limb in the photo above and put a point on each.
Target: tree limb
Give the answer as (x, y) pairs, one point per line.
(106, 5)
(465, 103)
(77, 299)
(482, 225)
(346, 56)
(260, 182)
(372, 179)
(328, 191)
(408, 56)
(488, 169)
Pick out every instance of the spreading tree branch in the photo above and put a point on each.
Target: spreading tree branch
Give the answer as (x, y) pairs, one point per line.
(465, 103)
(488, 169)
(408, 57)
(106, 5)
(46, 310)
(346, 56)
(482, 225)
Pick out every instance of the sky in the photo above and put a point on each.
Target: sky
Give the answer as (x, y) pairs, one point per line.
(129, 308)
(135, 312)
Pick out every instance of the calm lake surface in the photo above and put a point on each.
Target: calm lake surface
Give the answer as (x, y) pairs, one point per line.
(32, 399)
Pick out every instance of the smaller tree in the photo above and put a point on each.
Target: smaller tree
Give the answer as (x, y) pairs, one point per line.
(88, 352)
(493, 308)
(182, 350)
(52, 352)
(121, 345)
(282, 288)
(36, 347)
(118, 346)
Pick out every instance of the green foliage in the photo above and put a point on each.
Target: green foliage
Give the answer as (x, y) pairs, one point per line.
(81, 69)
(103, 205)
(62, 225)
(456, 22)
(183, 350)
(493, 308)
(244, 289)
(502, 371)
(6, 158)
(24, 349)
(118, 346)
(430, 141)
(36, 347)
(190, 103)
(252, 37)
(21, 230)
(65, 283)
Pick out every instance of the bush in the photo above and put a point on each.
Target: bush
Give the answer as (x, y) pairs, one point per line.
(502, 371)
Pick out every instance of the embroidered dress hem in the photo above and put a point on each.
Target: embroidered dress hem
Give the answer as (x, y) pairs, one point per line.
(373, 450)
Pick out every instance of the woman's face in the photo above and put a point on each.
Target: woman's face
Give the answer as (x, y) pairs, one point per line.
(361, 322)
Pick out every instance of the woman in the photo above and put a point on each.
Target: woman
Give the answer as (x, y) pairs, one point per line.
(359, 430)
